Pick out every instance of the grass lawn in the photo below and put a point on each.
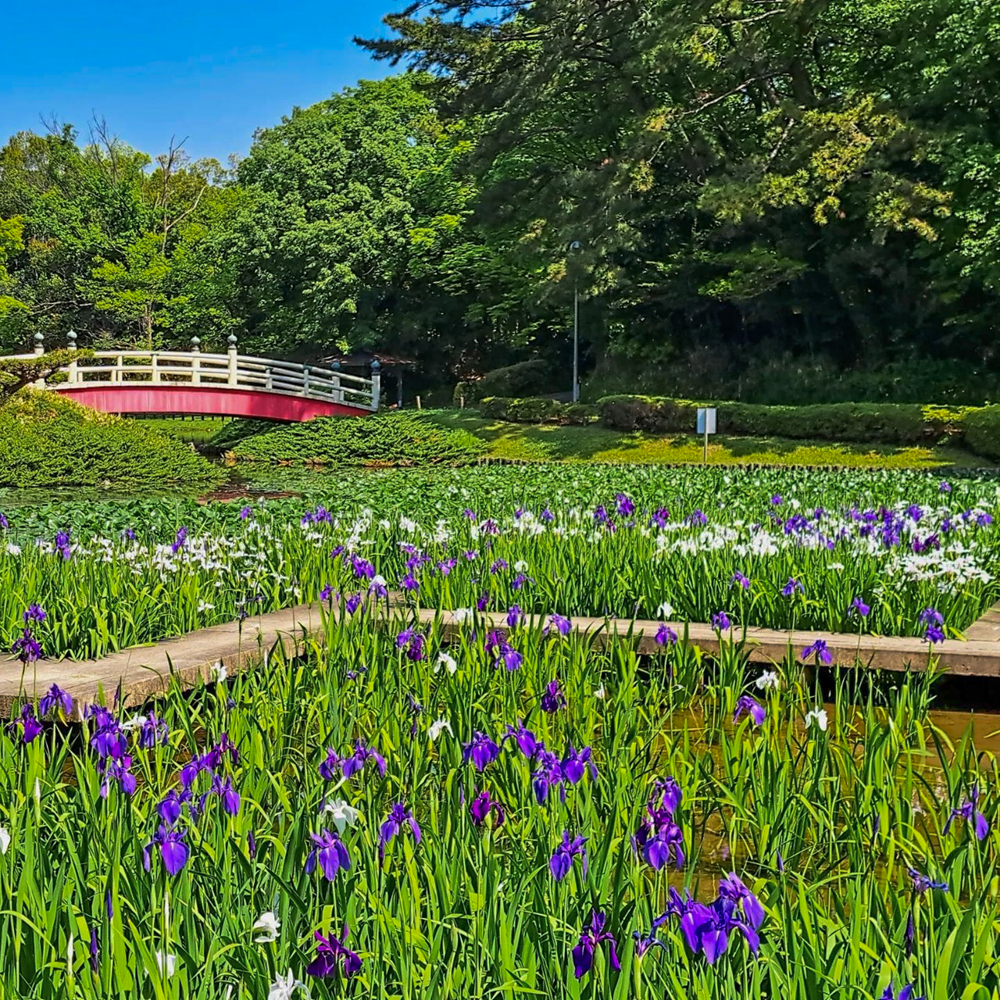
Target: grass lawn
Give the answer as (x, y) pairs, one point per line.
(195, 430)
(550, 442)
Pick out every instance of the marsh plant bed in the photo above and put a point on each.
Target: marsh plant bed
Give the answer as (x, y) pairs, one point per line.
(863, 552)
(386, 817)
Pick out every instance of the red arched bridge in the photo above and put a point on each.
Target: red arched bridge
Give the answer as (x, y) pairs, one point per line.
(225, 385)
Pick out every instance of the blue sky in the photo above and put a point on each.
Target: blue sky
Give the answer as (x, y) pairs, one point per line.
(211, 72)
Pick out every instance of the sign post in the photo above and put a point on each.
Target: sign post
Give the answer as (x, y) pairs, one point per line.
(706, 425)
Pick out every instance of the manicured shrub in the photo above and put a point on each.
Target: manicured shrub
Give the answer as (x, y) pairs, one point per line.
(382, 440)
(884, 423)
(527, 378)
(46, 440)
(229, 436)
(982, 431)
(536, 410)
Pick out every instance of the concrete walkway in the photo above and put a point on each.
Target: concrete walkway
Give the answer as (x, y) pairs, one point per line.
(143, 673)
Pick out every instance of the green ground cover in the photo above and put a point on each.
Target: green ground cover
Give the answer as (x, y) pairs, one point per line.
(47, 441)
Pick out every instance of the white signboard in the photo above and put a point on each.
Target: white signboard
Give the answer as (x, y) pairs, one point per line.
(706, 420)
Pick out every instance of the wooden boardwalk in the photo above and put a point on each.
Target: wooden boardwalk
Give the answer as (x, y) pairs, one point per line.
(143, 673)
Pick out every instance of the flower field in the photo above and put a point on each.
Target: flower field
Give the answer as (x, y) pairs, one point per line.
(388, 817)
(516, 812)
(855, 552)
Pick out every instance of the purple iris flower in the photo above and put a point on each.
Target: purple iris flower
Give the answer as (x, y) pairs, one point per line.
(119, 772)
(481, 750)
(776, 500)
(63, 543)
(413, 642)
(362, 754)
(526, 740)
(549, 775)
(498, 565)
(330, 852)
(720, 622)
(512, 659)
(665, 636)
(561, 861)
(590, 938)
(153, 731)
(4, 523)
(969, 811)
(922, 884)
(230, 797)
(858, 607)
(484, 602)
(482, 805)
(660, 517)
(33, 614)
(55, 698)
(660, 844)
(576, 763)
(793, 585)
(820, 651)
(624, 505)
(245, 512)
(337, 550)
(562, 625)
(169, 809)
(27, 647)
(409, 582)
(659, 839)
(363, 570)
(514, 616)
(733, 889)
(553, 699)
(739, 580)
(173, 850)
(669, 794)
(180, 541)
(906, 993)
(944, 487)
(547, 516)
(696, 519)
(326, 593)
(328, 768)
(95, 951)
(931, 616)
(748, 704)
(191, 770)
(223, 749)
(331, 954)
(109, 740)
(353, 602)
(644, 942)
(399, 816)
(31, 728)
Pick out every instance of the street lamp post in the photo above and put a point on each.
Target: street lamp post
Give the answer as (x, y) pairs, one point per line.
(575, 245)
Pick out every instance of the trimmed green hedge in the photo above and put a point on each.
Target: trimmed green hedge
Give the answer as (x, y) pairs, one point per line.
(982, 431)
(46, 440)
(381, 440)
(536, 410)
(528, 378)
(883, 423)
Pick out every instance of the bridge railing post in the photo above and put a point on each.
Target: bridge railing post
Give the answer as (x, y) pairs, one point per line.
(338, 392)
(195, 361)
(305, 380)
(71, 372)
(39, 349)
(376, 383)
(116, 372)
(233, 360)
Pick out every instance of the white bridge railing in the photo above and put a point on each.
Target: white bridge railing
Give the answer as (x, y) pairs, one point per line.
(230, 370)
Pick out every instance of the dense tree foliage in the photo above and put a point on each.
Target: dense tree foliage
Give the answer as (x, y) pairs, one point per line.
(766, 198)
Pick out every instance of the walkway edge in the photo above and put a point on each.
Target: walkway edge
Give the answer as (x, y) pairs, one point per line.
(143, 673)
